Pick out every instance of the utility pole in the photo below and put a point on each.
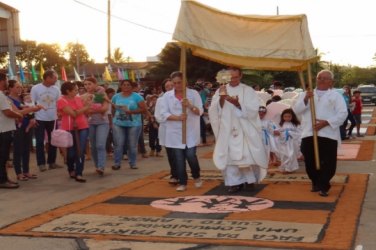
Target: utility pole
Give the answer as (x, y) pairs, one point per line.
(109, 31)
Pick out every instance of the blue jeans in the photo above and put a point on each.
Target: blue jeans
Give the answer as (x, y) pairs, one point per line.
(170, 158)
(42, 127)
(21, 154)
(98, 137)
(5, 142)
(180, 156)
(127, 135)
(76, 153)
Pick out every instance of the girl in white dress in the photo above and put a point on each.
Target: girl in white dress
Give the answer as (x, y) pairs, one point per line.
(268, 139)
(288, 142)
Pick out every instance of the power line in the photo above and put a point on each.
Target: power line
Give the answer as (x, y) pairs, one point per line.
(123, 19)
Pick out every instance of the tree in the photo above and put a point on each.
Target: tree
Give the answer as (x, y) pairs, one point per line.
(77, 54)
(28, 53)
(196, 67)
(50, 55)
(118, 56)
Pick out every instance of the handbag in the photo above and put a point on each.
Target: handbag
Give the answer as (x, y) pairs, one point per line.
(61, 138)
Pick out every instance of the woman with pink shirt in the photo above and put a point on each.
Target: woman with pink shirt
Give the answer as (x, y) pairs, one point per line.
(73, 119)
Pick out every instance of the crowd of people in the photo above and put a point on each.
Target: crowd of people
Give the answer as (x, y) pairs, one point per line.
(246, 142)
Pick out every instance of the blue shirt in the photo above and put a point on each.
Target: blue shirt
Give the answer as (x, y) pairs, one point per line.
(121, 104)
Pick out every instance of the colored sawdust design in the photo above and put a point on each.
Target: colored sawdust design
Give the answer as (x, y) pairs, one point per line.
(359, 150)
(297, 218)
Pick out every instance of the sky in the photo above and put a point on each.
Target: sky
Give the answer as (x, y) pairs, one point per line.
(343, 31)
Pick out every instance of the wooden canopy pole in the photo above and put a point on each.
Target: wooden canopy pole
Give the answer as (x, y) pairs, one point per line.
(313, 118)
(183, 56)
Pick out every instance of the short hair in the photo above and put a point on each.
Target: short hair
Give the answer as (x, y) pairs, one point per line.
(236, 69)
(3, 77)
(109, 91)
(11, 83)
(327, 71)
(67, 86)
(91, 79)
(176, 74)
(49, 73)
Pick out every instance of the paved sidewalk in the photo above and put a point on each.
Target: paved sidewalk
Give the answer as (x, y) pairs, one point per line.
(54, 188)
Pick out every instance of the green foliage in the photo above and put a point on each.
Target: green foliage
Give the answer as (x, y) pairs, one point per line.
(77, 51)
(197, 68)
(118, 56)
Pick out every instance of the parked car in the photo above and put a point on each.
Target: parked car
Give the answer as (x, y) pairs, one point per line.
(368, 93)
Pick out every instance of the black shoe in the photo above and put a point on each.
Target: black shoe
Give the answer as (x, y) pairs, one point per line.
(80, 179)
(323, 194)
(234, 189)
(115, 167)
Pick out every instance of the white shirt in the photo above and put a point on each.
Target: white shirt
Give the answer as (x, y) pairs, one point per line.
(6, 123)
(329, 106)
(47, 97)
(172, 106)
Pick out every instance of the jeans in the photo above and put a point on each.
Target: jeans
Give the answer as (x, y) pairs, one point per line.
(171, 162)
(202, 129)
(180, 156)
(153, 138)
(141, 142)
(98, 136)
(5, 141)
(21, 154)
(76, 153)
(129, 135)
(42, 127)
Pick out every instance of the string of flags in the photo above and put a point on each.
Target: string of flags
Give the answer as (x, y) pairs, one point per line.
(109, 75)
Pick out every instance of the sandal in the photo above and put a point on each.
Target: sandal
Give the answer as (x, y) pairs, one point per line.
(31, 176)
(9, 184)
(21, 177)
(72, 174)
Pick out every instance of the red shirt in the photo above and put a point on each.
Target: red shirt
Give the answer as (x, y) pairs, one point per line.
(358, 106)
(67, 121)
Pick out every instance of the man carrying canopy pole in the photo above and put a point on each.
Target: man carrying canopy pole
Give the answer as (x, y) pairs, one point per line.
(331, 111)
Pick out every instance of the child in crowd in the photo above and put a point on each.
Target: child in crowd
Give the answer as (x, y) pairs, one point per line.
(268, 138)
(357, 111)
(28, 103)
(288, 143)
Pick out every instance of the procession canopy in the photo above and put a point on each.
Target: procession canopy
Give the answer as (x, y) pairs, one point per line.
(279, 42)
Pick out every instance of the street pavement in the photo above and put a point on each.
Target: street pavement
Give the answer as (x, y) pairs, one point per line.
(54, 188)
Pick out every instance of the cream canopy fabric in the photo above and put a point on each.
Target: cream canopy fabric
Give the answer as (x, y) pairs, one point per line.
(252, 41)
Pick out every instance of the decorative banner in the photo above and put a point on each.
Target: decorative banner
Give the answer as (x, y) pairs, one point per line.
(76, 75)
(133, 78)
(41, 71)
(106, 75)
(125, 74)
(33, 73)
(63, 74)
(22, 75)
(120, 74)
(10, 71)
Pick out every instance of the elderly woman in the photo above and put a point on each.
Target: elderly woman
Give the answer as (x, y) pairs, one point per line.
(73, 119)
(127, 124)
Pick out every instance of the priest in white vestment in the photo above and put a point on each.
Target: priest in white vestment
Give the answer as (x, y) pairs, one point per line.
(235, 121)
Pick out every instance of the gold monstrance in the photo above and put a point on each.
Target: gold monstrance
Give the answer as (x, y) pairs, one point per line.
(223, 77)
